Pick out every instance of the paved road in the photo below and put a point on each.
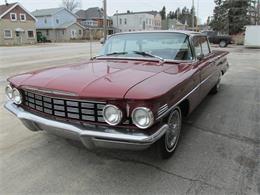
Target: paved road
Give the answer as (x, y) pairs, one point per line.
(219, 151)
(19, 59)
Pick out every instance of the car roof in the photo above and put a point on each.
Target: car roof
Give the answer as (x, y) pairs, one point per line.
(186, 32)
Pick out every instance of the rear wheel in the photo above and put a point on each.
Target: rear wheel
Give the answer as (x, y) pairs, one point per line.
(215, 89)
(223, 43)
(168, 143)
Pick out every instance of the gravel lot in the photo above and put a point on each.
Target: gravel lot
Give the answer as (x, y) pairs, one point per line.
(219, 152)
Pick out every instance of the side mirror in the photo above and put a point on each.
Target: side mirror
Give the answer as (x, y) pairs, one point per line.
(200, 57)
(102, 41)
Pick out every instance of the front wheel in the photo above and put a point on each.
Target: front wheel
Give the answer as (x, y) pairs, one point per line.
(168, 143)
(223, 43)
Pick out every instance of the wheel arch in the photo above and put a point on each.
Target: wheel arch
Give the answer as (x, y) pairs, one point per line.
(185, 107)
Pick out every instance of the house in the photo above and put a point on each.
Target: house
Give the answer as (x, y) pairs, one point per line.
(17, 25)
(137, 21)
(58, 24)
(93, 20)
(174, 24)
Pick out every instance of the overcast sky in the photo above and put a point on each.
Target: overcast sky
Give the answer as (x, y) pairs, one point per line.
(205, 6)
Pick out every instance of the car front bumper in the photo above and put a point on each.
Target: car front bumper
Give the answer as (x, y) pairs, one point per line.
(91, 135)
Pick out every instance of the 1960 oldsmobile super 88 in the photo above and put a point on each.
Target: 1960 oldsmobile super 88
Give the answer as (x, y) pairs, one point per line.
(131, 96)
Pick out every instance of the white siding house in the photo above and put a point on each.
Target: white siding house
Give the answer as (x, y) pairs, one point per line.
(137, 21)
(58, 24)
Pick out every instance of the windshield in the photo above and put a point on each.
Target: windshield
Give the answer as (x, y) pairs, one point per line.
(171, 46)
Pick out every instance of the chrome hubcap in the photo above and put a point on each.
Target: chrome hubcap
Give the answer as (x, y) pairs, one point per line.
(222, 43)
(172, 134)
(218, 85)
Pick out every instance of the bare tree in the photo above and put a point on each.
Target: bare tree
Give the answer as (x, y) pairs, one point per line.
(71, 4)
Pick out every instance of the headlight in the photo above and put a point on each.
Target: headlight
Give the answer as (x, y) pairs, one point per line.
(16, 96)
(142, 117)
(112, 115)
(9, 92)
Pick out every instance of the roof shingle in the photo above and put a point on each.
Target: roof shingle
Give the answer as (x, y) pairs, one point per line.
(46, 12)
(5, 7)
(91, 13)
(144, 12)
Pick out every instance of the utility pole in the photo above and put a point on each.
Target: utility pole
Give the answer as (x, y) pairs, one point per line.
(105, 20)
(193, 15)
(117, 21)
(197, 22)
(258, 12)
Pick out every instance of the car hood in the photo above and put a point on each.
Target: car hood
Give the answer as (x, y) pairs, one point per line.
(93, 79)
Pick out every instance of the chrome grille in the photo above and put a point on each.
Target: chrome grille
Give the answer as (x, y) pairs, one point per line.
(70, 109)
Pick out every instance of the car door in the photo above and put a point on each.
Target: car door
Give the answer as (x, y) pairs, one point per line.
(206, 65)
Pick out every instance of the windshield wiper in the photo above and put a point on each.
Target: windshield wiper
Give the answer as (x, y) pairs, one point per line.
(111, 54)
(143, 53)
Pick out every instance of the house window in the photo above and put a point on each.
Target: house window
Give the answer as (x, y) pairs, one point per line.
(13, 16)
(22, 17)
(57, 21)
(125, 21)
(45, 20)
(47, 32)
(63, 32)
(80, 32)
(30, 34)
(7, 34)
(120, 21)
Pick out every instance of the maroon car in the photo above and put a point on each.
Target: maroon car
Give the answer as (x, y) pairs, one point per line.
(134, 94)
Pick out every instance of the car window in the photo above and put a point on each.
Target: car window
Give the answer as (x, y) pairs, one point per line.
(132, 45)
(201, 46)
(205, 46)
(173, 46)
(117, 46)
(197, 46)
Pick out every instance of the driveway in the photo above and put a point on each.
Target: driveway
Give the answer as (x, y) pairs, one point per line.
(219, 151)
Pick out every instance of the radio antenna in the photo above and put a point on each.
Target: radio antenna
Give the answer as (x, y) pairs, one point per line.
(90, 44)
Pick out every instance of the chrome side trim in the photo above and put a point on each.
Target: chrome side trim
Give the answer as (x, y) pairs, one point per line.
(188, 94)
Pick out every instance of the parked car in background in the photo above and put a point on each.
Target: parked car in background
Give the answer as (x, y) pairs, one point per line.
(221, 40)
(133, 95)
